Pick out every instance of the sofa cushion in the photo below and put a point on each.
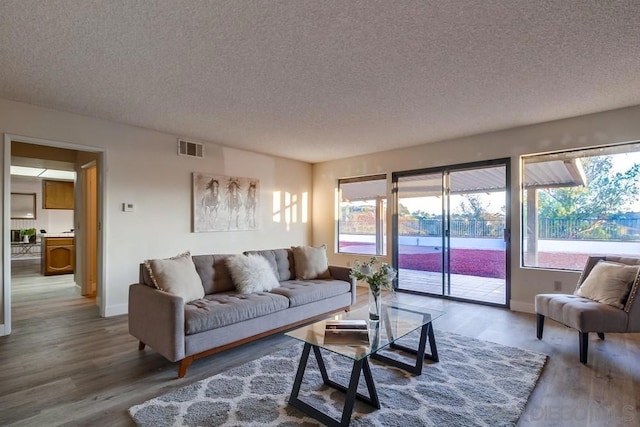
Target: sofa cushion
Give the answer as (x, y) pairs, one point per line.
(300, 292)
(311, 262)
(280, 261)
(226, 308)
(214, 273)
(609, 283)
(176, 275)
(251, 273)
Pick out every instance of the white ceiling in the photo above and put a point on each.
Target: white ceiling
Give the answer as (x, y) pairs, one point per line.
(320, 80)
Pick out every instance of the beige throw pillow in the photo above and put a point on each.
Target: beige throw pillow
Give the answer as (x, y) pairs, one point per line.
(310, 262)
(177, 276)
(608, 283)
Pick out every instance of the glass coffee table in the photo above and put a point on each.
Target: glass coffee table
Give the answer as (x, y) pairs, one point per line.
(397, 321)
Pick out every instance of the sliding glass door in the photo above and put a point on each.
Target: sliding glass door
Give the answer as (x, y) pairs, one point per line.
(450, 231)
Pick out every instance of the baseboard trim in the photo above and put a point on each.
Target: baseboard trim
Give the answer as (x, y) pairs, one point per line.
(2, 331)
(523, 307)
(116, 310)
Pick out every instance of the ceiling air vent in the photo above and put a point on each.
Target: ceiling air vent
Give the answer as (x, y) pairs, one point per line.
(191, 149)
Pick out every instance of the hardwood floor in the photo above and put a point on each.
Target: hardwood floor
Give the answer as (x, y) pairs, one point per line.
(63, 364)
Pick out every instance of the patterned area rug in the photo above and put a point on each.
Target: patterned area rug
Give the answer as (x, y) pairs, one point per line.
(476, 383)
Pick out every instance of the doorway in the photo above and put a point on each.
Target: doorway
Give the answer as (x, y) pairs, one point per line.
(451, 231)
(88, 272)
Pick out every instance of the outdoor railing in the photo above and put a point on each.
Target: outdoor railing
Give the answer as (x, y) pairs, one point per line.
(569, 229)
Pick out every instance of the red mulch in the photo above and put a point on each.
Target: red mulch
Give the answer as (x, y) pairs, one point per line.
(486, 263)
(476, 262)
(483, 262)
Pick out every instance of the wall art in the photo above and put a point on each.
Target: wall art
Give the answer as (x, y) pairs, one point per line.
(225, 203)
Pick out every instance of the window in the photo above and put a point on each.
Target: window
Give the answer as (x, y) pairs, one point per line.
(580, 203)
(362, 212)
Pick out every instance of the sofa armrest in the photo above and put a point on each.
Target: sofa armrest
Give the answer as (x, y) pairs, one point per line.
(344, 273)
(157, 319)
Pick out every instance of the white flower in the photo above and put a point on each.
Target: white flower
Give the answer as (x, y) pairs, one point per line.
(365, 269)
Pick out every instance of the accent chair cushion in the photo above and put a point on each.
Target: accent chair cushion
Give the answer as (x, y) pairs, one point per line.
(251, 273)
(609, 283)
(580, 313)
(311, 262)
(177, 276)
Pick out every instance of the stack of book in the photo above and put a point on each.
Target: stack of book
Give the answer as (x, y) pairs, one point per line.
(348, 332)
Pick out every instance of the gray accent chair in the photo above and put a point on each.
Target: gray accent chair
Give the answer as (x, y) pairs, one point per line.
(586, 315)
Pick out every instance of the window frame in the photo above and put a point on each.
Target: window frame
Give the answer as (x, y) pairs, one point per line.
(529, 261)
(380, 211)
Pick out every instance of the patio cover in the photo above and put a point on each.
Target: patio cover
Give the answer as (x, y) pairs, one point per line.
(538, 174)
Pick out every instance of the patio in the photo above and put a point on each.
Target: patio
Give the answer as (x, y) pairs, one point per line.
(483, 289)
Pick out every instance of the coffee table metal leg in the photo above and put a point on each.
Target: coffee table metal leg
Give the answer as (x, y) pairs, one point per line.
(425, 332)
(300, 372)
(351, 391)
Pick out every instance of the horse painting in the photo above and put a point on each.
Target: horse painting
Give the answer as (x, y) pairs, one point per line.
(250, 205)
(211, 201)
(225, 203)
(234, 201)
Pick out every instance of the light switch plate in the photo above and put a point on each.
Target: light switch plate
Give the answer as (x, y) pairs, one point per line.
(128, 207)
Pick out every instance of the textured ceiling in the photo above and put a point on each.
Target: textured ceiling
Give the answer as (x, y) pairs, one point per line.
(320, 80)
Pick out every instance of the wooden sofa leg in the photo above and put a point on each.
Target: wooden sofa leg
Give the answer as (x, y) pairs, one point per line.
(601, 335)
(584, 346)
(184, 365)
(539, 326)
(141, 345)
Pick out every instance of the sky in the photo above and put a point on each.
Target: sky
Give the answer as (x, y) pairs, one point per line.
(495, 201)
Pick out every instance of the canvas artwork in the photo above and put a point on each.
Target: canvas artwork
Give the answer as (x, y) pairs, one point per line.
(225, 203)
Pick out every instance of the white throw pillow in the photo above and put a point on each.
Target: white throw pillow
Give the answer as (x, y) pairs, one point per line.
(608, 283)
(251, 273)
(310, 262)
(177, 276)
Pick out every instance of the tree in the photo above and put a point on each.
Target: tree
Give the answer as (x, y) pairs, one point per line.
(420, 214)
(473, 206)
(606, 192)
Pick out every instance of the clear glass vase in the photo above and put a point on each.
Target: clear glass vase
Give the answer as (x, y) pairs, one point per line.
(375, 306)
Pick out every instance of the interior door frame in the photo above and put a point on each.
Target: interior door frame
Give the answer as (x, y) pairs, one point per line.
(89, 227)
(445, 171)
(5, 328)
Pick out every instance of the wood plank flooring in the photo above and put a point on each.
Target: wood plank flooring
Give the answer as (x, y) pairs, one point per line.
(64, 365)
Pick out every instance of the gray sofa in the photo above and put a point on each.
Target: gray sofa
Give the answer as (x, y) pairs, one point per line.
(225, 318)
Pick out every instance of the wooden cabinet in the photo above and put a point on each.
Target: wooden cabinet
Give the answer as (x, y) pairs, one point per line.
(57, 194)
(58, 255)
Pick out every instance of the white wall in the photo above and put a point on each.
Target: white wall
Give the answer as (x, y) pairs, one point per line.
(585, 131)
(52, 220)
(142, 167)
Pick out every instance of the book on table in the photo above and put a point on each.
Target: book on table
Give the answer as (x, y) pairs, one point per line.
(347, 332)
(357, 324)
